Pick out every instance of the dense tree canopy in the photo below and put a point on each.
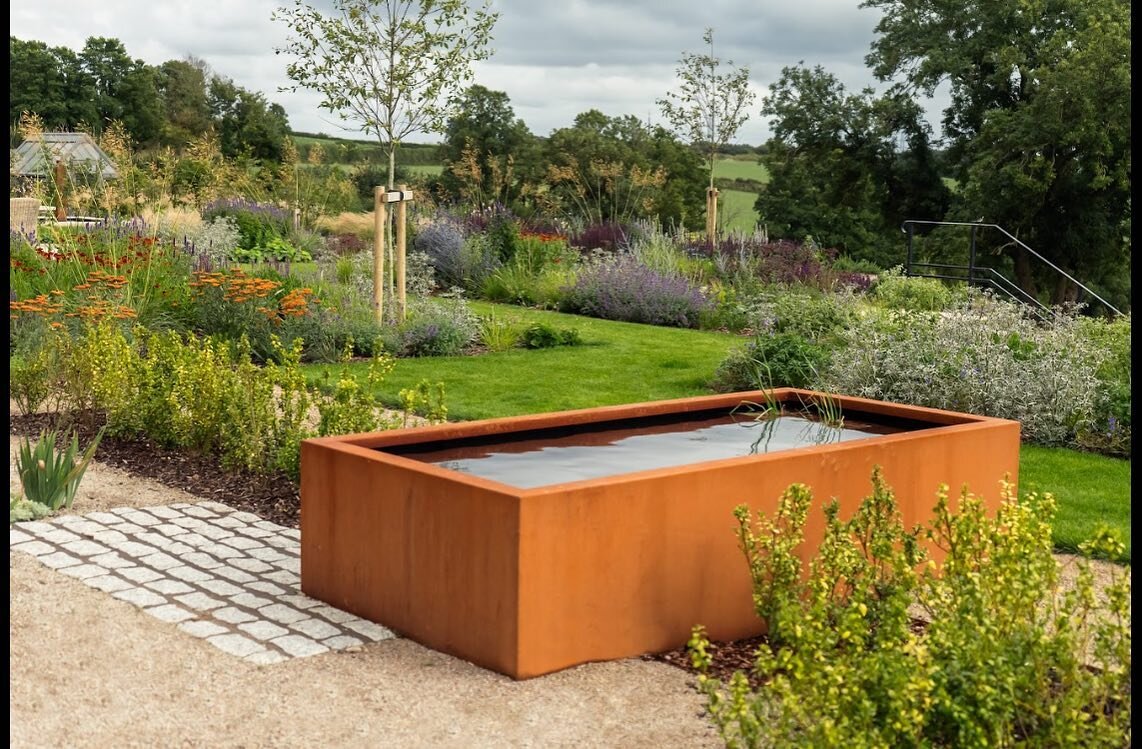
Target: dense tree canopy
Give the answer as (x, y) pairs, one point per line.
(1038, 125)
(170, 104)
(182, 86)
(487, 150)
(615, 168)
(50, 82)
(846, 169)
(246, 123)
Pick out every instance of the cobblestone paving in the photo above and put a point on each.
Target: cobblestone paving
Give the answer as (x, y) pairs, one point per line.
(226, 576)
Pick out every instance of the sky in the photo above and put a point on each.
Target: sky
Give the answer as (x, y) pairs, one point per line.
(553, 58)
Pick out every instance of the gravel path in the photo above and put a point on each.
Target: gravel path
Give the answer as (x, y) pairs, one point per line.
(88, 670)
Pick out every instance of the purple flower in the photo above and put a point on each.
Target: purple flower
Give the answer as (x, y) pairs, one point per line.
(624, 289)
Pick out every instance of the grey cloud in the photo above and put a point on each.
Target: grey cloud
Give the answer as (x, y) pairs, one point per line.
(554, 58)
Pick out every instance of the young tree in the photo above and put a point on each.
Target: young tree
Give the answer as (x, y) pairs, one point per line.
(392, 66)
(709, 107)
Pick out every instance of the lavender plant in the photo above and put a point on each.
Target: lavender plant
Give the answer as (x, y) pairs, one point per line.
(624, 289)
(443, 327)
(459, 256)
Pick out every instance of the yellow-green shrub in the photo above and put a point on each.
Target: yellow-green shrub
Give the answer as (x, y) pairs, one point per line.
(1008, 657)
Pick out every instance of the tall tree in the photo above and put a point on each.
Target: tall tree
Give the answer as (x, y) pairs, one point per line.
(247, 125)
(35, 83)
(182, 85)
(1038, 125)
(709, 107)
(486, 147)
(50, 82)
(846, 168)
(392, 66)
(124, 89)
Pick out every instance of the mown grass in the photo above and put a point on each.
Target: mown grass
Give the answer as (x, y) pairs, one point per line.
(1090, 489)
(616, 363)
(736, 212)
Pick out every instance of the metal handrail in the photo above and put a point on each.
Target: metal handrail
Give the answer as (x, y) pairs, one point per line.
(1000, 282)
(972, 268)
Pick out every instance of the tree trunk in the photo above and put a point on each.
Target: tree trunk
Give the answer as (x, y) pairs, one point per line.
(1065, 291)
(1024, 276)
(389, 281)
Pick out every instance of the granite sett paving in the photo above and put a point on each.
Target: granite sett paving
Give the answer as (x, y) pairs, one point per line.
(213, 572)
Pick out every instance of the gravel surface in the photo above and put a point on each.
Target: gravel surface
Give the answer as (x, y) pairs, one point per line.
(90, 671)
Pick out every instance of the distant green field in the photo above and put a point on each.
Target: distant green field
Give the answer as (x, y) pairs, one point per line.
(740, 169)
(735, 211)
(358, 149)
(426, 169)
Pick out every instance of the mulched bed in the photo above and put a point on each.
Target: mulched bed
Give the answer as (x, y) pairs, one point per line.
(274, 497)
(725, 657)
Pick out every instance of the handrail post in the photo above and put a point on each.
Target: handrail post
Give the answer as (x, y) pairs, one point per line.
(971, 258)
(908, 262)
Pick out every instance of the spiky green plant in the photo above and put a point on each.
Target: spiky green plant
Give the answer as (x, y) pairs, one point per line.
(51, 476)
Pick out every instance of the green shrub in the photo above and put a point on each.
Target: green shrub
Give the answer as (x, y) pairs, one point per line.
(1108, 431)
(20, 509)
(846, 264)
(780, 360)
(275, 249)
(49, 475)
(536, 274)
(895, 291)
(816, 317)
(542, 335)
(731, 310)
(497, 334)
(1008, 656)
(442, 327)
(982, 356)
(510, 284)
(30, 379)
(209, 394)
(258, 224)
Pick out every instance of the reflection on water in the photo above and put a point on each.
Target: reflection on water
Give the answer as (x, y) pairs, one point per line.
(531, 463)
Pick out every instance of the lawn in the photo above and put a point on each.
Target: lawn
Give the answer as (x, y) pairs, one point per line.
(735, 212)
(1090, 489)
(741, 169)
(617, 363)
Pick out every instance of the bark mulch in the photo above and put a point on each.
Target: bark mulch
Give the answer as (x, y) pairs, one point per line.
(271, 497)
(725, 659)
